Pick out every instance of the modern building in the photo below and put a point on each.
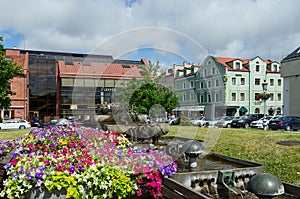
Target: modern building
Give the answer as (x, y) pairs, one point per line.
(226, 86)
(65, 84)
(290, 73)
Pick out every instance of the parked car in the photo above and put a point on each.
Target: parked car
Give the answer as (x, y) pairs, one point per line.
(226, 122)
(36, 122)
(287, 123)
(245, 120)
(212, 123)
(174, 121)
(15, 124)
(199, 121)
(262, 123)
(50, 123)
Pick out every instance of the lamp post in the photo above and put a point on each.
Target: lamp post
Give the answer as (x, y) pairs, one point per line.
(264, 86)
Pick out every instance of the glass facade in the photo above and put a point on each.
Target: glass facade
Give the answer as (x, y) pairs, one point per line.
(76, 95)
(42, 86)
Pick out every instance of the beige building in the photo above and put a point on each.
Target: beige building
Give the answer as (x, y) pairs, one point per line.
(290, 71)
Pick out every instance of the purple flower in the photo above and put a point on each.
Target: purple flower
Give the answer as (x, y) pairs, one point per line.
(29, 177)
(72, 168)
(38, 183)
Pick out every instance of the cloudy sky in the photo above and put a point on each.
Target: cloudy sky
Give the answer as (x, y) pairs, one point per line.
(168, 31)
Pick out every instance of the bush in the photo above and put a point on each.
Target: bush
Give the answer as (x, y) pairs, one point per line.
(184, 121)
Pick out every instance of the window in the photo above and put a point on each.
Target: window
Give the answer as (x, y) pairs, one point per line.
(209, 84)
(271, 97)
(183, 84)
(256, 96)
(274, 67)
(183, 97)
(217, 82)
(279, 82)
(201, 85)
(67, 82)
(213, 70)
(8, 59)
(205, 72)
(242, 81)
(279, 98)
(271, 82)
(237, 65)
(177, 86)
(233, 96)
(208, 98)
(89, 83)
(233, 81)
(201, 99)
(217, 97)
(242, 96)
(109, 83)
(257, 66)
(257, 81)
(192, 96)
(192, 84)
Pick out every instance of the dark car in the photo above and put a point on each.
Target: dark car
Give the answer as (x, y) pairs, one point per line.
(36, 122)
(287, 123)
(245, 120)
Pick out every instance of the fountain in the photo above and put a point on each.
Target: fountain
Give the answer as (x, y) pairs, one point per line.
(213, 176)
(200, 175)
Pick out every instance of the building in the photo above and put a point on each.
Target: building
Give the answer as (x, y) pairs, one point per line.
(290, 73)
(66, 84)
(19, 108)
(226, 86)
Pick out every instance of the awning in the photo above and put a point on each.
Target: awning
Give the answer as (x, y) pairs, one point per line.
(243, 109)
(189, 108)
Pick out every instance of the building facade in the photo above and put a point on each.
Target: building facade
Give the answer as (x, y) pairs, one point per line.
(290, 73)
(66, 84)
(224, 86)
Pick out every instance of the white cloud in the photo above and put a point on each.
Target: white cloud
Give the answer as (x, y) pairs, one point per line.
(248, 28)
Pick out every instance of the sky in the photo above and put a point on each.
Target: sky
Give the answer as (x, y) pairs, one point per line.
(168, 31)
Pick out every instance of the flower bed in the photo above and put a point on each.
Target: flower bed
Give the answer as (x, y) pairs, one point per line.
(85, 162)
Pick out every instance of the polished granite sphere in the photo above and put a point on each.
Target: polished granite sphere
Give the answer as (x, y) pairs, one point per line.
(265, 185)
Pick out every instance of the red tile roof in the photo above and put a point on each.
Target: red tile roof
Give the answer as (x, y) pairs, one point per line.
(224, 61)
(99, 70)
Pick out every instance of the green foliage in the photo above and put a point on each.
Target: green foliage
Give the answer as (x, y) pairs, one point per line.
(8, 70)
(150, 94)
(185, 121)
(141, 95)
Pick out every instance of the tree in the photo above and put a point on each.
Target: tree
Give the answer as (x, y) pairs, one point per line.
(8, 70)
(150, 94)
(141, 95)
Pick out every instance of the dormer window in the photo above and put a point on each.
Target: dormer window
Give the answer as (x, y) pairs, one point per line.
(237, 65)
(274, 68)
(257, 66)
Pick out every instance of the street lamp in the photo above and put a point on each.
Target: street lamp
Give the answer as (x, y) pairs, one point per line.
(265, 86)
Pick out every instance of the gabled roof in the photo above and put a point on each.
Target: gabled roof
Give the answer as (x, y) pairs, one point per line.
(225, 62)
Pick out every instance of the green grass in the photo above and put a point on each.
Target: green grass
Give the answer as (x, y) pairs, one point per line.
(247, 144)
(12, 134)
(252, 145)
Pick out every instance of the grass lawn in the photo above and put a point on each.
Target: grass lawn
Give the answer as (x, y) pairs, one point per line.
(253, 145)
(247, 144)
